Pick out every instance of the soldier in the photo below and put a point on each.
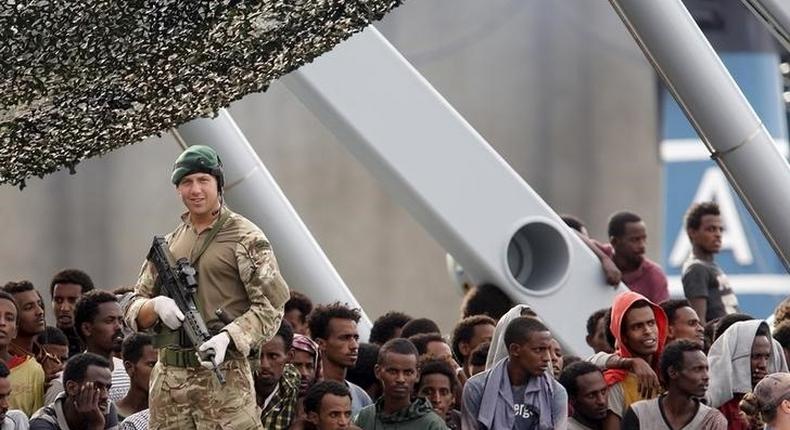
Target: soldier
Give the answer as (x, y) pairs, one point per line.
(237, 273)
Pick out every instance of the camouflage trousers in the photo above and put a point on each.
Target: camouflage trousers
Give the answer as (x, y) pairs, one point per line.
(192, 398)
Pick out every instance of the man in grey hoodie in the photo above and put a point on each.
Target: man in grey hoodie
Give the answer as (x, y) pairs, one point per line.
(397, 370)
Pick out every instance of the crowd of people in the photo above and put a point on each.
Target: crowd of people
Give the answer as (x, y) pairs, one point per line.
(273, 359)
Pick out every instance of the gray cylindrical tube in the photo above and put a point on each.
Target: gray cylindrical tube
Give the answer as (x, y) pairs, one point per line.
(717, 109)
(775, 14)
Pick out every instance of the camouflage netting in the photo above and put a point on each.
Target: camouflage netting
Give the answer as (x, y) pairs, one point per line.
(81, 78)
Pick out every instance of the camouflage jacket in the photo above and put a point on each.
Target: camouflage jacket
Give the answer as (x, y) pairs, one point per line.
(237, 273)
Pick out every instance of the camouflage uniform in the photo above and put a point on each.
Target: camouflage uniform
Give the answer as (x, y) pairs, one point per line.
(237, 273)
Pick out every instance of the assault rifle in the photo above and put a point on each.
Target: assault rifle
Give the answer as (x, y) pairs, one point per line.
(177, 281)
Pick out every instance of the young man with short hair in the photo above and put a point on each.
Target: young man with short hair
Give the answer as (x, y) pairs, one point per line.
(683, 322)
(54, 347)
(628, 237)
(468, 333)
(586, 389)
(596, 332)
(397, 370)
(704, 283)
(419, 326)
(30, 322)
(85, 403)
(363, 373)
(439, 384)
(139, 357)
(66, 287)
(99, 321)
(517, 392)
(684, 370)
(388, 326)
(54, 353)
(327, 406)
(27, 375)
(485, 299)
(557, 361)
(296, 310)
(640, 328)
(432, 345)
(276, 381)
(334, 328)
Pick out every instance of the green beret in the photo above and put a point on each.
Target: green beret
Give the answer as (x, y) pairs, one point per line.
(197, 159)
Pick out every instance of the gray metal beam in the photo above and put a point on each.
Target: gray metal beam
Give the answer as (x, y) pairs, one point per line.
(775, 14)
(252, 191)
(718, 110)
(446, 175)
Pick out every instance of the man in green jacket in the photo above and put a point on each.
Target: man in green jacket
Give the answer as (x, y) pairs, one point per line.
(396, 368)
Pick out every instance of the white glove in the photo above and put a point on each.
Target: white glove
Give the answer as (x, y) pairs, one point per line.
(219, 343)
(168, 311)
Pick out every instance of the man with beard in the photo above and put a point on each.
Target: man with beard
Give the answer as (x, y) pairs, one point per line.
(66, 287)
(27, 376)
(640, 329)
(586, 389)
(85, 404)
(628, 237)
(334, 329)
(684, 370)
(99, 320)
(277, 382)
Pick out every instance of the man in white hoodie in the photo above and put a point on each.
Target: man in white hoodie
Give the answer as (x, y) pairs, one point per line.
(740, 358)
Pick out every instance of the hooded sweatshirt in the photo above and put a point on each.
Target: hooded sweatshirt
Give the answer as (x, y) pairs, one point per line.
(498, 350)
(730, 362)
(628, 382)
(418, 416)
(488, 389)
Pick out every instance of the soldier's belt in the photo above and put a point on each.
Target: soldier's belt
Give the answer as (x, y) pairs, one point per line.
(170, 356)
(178, 357)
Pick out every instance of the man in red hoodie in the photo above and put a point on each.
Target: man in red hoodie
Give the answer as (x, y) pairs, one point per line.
(640, 328)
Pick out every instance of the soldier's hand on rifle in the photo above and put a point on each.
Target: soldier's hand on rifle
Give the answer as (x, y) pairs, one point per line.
(168, 311)
(219, 343)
